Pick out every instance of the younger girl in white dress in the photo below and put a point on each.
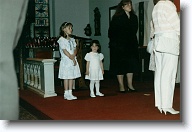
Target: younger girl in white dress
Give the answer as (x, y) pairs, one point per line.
(94, 68)
(68, 68)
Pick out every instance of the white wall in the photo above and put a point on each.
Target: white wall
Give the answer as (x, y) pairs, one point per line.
(74, 11)
(80, 13)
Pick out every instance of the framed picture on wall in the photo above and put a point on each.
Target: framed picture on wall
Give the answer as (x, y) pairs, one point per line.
(111, 12)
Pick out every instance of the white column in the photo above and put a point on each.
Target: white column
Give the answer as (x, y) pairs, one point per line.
(49, 77)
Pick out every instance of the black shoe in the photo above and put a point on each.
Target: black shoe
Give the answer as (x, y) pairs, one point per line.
(131, 90)
(122, 91)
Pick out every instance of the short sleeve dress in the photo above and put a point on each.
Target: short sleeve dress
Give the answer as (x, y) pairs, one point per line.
(95, 71)
(67, 70)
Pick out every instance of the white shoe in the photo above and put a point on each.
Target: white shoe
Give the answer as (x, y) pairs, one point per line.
(160, 109)
(92, 95)
(67, 97)
(170, 110)
(99, 94)
(72, 97)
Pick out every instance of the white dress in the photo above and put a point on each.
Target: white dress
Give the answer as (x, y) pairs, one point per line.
(95, 71)
(67, 70)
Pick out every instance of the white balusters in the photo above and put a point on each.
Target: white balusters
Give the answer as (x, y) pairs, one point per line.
(25, 73)
(31, 75)
(28, 74)
(36, 82)
(39, 76)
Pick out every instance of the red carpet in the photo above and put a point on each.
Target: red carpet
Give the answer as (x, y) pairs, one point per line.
(114, 106)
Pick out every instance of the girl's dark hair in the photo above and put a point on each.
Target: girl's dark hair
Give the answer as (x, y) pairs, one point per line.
(119, 9)
(97, 43)
(64, 25)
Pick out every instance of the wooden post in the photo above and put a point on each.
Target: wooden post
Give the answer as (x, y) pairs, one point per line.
(21, 68)
(81, 80)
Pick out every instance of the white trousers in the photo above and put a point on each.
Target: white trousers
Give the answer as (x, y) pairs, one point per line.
(165, 76)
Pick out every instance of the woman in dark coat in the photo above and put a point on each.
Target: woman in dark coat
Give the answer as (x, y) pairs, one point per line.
(123, 44)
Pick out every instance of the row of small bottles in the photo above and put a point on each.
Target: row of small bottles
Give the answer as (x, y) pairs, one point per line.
(42, 42)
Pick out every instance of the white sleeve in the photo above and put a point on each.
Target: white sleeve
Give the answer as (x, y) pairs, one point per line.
(152, 29)
(173, 18)
(62, 43)
(101, 56)
(87, 57)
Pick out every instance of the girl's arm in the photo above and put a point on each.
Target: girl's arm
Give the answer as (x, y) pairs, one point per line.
(87, 68)
(101, 64)
(75, 50)
(72, 57)
(68, 54)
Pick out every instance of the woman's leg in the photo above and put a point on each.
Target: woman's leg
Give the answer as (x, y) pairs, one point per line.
(157, 80)
(169, 69)
(130, 80)
(121, 83)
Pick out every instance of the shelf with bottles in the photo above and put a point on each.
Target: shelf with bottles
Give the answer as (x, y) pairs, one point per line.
(42, 42)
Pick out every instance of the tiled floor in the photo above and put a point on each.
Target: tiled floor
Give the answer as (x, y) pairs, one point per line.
(26, 115)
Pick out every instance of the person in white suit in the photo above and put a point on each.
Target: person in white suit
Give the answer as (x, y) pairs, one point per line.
(167, 42)
(12, 18)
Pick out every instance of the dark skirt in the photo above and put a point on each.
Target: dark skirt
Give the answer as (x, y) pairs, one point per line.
(123, 61)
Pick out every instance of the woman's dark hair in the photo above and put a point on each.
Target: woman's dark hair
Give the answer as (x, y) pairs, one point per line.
(156, 1)
(119, 9)
(64, 25)
(97, 43)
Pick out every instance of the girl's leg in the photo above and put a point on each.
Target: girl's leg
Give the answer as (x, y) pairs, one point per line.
(68, 83)
(97, 85)
(70, 89)
(74, 84)
(66, 90)
(121, 84)
(91, 86)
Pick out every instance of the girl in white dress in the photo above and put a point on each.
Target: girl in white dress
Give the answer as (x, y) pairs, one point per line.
(94, 68)
(68, 68)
